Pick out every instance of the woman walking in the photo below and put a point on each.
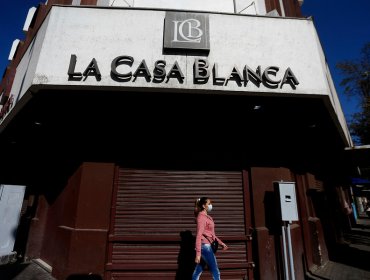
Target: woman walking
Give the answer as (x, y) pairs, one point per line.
(205, 236)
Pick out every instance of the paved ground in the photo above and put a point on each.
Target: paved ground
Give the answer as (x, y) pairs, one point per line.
(339, 271)
(352, 258)
(24, 271)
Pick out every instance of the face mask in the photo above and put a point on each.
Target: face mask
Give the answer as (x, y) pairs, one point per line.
(209, 208)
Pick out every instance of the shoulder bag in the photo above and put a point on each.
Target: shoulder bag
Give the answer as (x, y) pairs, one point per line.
(214, 244)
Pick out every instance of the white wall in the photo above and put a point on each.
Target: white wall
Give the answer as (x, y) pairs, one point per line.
(254, 7)
(26, 68)
(235, 40)
(250, 7)
(225, 6)
(104, 34)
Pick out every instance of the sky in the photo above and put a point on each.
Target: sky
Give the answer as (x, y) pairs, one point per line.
(343, 27)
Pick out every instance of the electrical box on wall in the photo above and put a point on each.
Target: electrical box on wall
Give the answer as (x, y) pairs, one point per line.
(287, 201)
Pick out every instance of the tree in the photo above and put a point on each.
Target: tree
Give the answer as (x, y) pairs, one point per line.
(356, 82)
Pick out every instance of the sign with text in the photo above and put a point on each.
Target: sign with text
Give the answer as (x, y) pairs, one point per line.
(186, 31)
(123, 70)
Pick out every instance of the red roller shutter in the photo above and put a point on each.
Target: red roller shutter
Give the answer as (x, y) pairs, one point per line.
(153, 224)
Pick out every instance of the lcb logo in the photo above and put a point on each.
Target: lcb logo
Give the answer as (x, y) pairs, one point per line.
(186, 31)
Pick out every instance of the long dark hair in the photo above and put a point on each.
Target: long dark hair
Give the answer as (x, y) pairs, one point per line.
(199, 202)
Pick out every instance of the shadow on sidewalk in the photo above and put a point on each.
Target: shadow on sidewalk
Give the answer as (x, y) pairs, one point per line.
(23, 271)
(11, 271)
(351, 256)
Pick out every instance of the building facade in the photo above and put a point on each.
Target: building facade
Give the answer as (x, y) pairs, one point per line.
(117, 115)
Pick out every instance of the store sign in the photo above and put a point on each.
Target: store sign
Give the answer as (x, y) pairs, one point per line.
(188, 31)
(124, 71)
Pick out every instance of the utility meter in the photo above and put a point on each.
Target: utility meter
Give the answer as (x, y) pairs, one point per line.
(287, 200)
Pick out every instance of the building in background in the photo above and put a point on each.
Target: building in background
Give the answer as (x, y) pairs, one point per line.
(117, 115)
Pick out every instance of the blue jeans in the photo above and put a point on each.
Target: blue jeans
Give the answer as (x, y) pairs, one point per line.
(209, 259)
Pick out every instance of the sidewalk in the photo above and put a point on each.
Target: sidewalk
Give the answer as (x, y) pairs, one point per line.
(24, 271)
(339, 271)
(352, 258)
